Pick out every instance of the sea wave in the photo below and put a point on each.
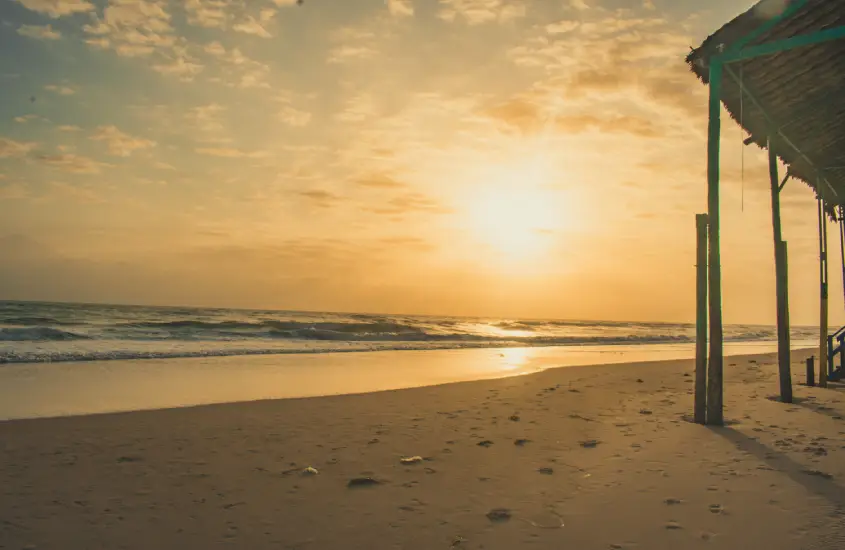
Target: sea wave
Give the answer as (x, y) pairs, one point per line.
(38, 334)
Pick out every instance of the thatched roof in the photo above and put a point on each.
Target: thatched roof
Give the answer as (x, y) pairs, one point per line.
(802, 91)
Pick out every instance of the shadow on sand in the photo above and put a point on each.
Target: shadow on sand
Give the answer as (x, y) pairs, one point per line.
(816, 482)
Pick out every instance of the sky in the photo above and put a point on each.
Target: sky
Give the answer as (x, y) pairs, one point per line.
(516, 158)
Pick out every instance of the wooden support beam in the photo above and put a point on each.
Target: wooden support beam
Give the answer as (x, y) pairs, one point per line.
(842, 249)
(700, 407)
(784, 338)
(715, 397)
(790, 10)
(781, 285)
(744, 89)
(822, 295)
(777, 46)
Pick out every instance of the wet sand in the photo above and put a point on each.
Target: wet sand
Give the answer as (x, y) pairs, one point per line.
(581, 457)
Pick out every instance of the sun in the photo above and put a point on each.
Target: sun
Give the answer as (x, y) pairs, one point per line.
(515, 213)
(516, 223)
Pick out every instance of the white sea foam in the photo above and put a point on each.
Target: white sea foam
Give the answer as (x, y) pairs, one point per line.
(47, 332)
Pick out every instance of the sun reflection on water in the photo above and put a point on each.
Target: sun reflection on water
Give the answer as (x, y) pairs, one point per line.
(514, 358)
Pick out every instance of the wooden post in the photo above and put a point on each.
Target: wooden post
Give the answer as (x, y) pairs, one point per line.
(823, 296)
(715, 413)
(811, 372)
(782, 288)
(784, 338)
(700, 407)
(842, 244)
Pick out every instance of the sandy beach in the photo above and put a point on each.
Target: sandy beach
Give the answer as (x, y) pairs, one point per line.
(582, 457)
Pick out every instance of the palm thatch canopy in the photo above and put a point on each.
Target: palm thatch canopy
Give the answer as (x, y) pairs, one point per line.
(794, 86)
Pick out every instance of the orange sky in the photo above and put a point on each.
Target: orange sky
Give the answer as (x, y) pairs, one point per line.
(533, 158)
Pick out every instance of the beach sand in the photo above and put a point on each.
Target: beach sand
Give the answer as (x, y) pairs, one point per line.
(581, 457)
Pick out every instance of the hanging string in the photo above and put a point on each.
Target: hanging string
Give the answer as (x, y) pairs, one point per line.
(742, 133)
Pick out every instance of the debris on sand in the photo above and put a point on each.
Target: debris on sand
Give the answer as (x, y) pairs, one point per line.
(673, 525)
(411, 459)
(672, 501)
(546, 471)
(499, 515)
(485, 443)
(590, 444)
(514, 418)
(645, 411)
(521, 442)
(362, 482)
(310, 471)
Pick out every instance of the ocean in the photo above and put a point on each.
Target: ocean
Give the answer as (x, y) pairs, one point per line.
(38, 332)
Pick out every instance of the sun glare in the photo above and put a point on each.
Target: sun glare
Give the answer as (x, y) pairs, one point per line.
(515, 212)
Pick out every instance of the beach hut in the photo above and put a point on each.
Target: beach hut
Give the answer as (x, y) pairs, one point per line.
(779, 71)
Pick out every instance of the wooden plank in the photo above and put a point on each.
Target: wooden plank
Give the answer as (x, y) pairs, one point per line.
(700, 407)
(715, 397)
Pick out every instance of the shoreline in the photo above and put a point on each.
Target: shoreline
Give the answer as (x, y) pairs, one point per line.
(38, 390)
(586, 457)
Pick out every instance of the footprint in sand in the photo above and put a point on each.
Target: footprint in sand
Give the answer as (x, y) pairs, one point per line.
(499, 515)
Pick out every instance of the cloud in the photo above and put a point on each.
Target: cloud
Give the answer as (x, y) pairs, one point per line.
(75, 164)
(10, 148)
(345, 53)
(25, 118)
(132, 28)
(580, 5)
(39, 32)
(79, 193)
(400, 8)
(320, 197)
(562, 27)
(57, 8)
(119, 143)
(60, 89)
(236, 69)
(352, 44)
(208, 13)
(613, 124)
(181, 67)
(205, 120)
(529, 116)
(227, 152)
(359, 107)
(68, 128)
(252, 26)
(379, 181)
(293, 116)
(477, 12)
(410, 203)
